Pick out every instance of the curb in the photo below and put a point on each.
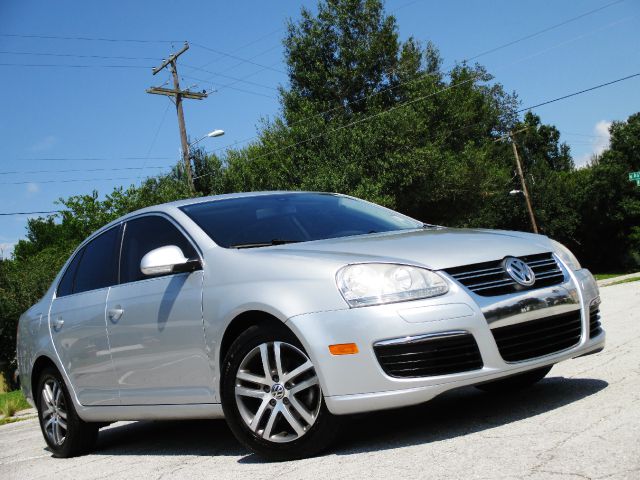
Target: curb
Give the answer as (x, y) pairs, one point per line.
(609, 281)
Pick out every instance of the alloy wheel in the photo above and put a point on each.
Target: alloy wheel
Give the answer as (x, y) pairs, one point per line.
(277, 392)
(54, 412)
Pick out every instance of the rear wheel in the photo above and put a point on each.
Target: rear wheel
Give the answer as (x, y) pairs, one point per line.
(66, 434)
(515, 382)
(272, 398)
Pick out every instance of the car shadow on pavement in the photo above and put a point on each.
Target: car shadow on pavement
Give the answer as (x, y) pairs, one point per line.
(453, 414)
(460, 412)
(169, 437)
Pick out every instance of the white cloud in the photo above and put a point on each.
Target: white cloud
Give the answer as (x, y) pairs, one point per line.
(599, 142)
(44, 144)
(32, 188)
(6, 249)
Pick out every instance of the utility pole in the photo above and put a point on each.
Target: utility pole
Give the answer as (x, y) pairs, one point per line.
(525, 191)
(178, 95)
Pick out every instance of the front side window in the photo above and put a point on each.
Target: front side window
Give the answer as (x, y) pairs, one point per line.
(144, 234)
(98, 267)
(292, 217)
(65, 287)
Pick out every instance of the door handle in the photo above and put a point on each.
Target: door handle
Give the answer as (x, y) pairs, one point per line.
(115, 313)
(58, 323)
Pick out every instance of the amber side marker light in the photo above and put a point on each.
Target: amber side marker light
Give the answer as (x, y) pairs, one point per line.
(343, 349)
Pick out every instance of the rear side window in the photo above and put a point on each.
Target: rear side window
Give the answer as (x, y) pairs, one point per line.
(98, 267)
(65, 287)
(143, 235)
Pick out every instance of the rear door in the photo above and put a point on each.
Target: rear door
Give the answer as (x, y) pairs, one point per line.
(77, 320)
(155, 323)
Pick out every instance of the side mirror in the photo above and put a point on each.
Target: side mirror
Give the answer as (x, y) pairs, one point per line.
(166, 260)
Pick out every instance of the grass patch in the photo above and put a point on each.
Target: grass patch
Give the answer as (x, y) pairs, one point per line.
(11, 403)
(626, 280)
(607, 276)
(6, 420)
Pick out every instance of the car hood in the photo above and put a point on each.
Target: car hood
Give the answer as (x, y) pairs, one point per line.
(434, 248)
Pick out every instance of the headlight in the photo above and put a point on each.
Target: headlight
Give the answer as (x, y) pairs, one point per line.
(376, 283)
(566, 256)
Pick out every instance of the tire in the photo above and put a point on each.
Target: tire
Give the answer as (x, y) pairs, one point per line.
(66, 437)
(283, 417)
(516, 382)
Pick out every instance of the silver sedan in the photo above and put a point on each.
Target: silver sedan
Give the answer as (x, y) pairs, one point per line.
(283, 311)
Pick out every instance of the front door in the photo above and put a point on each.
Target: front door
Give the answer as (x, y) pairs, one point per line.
(77, 320)
(155, 323)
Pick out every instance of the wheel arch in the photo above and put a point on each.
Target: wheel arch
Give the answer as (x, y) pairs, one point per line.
(241, 323)
(42, 362)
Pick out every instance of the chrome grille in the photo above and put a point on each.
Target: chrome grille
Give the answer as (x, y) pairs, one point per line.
(536, 338)
(490, 278)
(436, 354)
(595, 328)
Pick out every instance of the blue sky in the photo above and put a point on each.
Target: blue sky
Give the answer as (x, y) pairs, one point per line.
(101, 122)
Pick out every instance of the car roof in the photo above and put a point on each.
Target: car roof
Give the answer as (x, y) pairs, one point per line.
(211, 198)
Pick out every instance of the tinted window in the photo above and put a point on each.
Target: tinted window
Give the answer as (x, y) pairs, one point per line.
(299, 217)
(65, 287)
(98, 267)
(143, 235)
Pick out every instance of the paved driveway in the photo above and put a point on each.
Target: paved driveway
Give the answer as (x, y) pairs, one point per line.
(583, 421)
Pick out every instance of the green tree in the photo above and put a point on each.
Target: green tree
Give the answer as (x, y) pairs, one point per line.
(609, 204)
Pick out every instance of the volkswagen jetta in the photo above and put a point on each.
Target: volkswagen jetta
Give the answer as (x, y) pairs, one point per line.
(283, 311)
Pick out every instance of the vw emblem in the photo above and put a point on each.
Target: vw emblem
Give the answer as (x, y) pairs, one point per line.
(519, 271)
(277, 391)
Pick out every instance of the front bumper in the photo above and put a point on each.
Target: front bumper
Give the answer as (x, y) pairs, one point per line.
(357, 383)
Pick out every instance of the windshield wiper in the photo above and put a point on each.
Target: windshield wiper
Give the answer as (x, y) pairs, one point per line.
(275, 241)
(427, 226)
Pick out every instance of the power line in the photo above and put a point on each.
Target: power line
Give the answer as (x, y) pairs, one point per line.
(405, 5)
(193, 67)
(30, 213)
(245, 46)
(75, 180)
(74, 170)
(155, 136)
(242, 60)
(579, 37)
(90, 39)
(544, 30)
(73, 55)
(62, 65)
(252, 42)
(579, 92)
(87, 159)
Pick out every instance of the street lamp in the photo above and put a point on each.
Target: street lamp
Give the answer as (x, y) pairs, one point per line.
(215, 133)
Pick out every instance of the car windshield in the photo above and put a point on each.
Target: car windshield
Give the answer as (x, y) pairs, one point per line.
(264, 220)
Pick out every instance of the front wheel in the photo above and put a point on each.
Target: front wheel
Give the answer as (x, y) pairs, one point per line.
(515, 382)
(66, 434)
(272, 398)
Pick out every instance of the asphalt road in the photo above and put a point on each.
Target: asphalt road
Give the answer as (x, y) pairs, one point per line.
(583, 421)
